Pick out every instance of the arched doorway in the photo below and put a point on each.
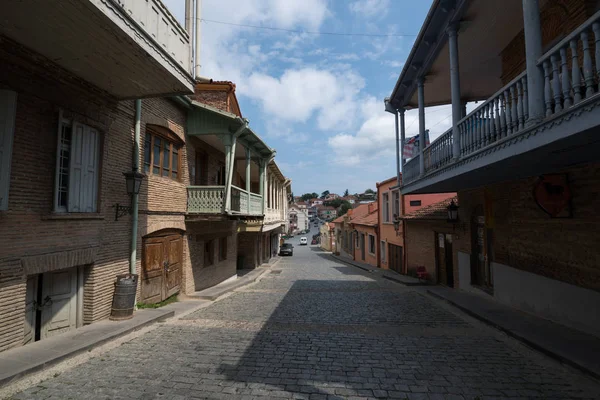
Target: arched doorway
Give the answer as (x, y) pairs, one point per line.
(162, 258)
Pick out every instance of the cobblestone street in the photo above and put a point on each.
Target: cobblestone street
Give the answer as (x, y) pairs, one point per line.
(315, 328)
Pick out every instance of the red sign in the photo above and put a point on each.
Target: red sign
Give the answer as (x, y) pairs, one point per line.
(553, 195)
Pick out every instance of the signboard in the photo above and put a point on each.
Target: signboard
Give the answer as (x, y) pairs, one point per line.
(553, 195)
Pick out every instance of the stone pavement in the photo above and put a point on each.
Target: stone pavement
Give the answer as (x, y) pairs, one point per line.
(319, 329)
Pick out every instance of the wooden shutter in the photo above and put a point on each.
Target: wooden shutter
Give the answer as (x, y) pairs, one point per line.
(76, 168)
(8, 107)
(89, 184)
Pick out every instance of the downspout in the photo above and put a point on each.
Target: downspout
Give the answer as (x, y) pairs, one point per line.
(135, 196)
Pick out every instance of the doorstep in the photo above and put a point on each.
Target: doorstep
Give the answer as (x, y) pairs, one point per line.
(244, 278)
(567, 345)
(18, 362)
(384, 273)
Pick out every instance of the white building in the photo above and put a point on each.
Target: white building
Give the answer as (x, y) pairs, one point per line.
(298, 219)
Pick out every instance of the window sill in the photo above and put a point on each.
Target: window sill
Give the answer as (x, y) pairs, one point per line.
(73, 216)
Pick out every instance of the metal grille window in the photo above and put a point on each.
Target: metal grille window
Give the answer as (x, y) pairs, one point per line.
(64, 157)
(161, 156)
(77, 162)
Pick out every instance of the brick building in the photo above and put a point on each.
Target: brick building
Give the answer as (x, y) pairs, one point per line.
(525, 162)
(66, 138)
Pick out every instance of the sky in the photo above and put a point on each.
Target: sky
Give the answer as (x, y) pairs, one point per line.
(317, 98)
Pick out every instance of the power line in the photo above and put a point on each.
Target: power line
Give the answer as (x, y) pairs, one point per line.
(307, 32)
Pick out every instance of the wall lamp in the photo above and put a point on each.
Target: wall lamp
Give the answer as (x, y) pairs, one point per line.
(133, 181)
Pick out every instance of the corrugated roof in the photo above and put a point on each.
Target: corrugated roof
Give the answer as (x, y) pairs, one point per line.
(433, 211)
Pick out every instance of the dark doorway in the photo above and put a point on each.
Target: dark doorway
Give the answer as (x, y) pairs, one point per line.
(444, 259)
(395, 253)
(480, 241)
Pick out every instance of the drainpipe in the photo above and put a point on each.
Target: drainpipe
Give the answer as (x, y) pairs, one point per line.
(198, 35)
(134, 197)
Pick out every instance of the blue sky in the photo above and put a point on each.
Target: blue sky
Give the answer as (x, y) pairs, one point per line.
(317, 99)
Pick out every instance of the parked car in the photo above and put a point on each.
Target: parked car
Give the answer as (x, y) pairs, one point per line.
(314, 241)
(303, 241)
(286, 249)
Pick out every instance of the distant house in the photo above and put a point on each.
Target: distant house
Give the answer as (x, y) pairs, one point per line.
(350, 199)
(327, 212)
(331, 196)
(365, 246)
(327, 232)
(297, 219)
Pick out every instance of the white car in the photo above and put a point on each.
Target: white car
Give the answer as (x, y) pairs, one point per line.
(303, 241)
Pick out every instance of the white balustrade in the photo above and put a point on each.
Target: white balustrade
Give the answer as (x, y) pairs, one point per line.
(439, 152)
(564, 88)
(410, 170)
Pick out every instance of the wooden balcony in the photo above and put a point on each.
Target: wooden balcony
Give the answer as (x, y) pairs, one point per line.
(128, 48)
(209, 200)
(498, 140)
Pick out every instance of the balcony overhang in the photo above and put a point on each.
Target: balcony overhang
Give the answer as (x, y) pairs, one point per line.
(485, 29)
(562, 141)
(134, 50)
(206, 120)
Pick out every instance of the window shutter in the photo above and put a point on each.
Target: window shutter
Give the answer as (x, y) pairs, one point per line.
(76, 168)
(8, 107)
(89, 184)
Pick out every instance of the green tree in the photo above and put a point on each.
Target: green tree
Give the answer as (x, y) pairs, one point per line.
(346, 193)
(308, 196)
(344, 208)
(370, 191)
(335, 203)
(324, 194)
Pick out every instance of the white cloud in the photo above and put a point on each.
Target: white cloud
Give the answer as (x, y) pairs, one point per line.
(299, 94)
(370, 8)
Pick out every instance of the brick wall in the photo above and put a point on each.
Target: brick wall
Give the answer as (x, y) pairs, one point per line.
(30, 229)
(217, 99)
(558, 19)
(420, 237)
(525, 237)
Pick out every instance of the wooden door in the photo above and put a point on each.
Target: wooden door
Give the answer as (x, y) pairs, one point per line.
(161, 267)
(174, 245)
(395, 255)
(30, 309)
(59, 302)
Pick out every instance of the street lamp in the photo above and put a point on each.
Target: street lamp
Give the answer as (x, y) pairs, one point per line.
(452, 212)
(133, 183)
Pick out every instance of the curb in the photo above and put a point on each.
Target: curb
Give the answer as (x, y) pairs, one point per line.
(87, 347)
(234, 286)
(383, 274)
(515, 335)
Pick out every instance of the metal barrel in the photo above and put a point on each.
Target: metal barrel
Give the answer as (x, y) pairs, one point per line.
(124, 297)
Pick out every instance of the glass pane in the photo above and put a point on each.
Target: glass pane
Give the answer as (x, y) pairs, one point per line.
(175, 163)
(166, 153)
(64, 162)
(156, 155)
(147, 152)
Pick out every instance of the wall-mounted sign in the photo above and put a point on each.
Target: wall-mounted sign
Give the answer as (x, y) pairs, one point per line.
(553, 195)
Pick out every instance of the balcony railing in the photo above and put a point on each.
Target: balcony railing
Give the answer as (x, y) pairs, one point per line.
(240, 199)
(209, 200)
(162, 27)
(571, 75)
(205, 199)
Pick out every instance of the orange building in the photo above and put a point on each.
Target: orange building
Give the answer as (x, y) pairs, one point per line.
(392, 246)
(365, 248)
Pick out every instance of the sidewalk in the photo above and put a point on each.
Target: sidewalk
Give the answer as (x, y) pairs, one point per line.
(21, 361)
(384, 273)
(569, 346)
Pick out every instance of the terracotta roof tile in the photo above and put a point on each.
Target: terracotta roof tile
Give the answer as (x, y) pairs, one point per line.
(369, 220)
(433, 211)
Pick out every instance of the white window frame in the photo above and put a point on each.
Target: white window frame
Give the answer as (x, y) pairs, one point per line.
(374, 244)
(382, 250)
(396, 203)
(95, 190)
(386, 207)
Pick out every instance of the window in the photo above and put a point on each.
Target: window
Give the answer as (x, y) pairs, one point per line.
(221, 175)
(386, 207)
(209, 249)
(8, 106)
(76, 183)
(161, 156)
(382, 251)
(357, 241)
(371, 244)
(223, 248)
(415, 203)
(396, 204)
